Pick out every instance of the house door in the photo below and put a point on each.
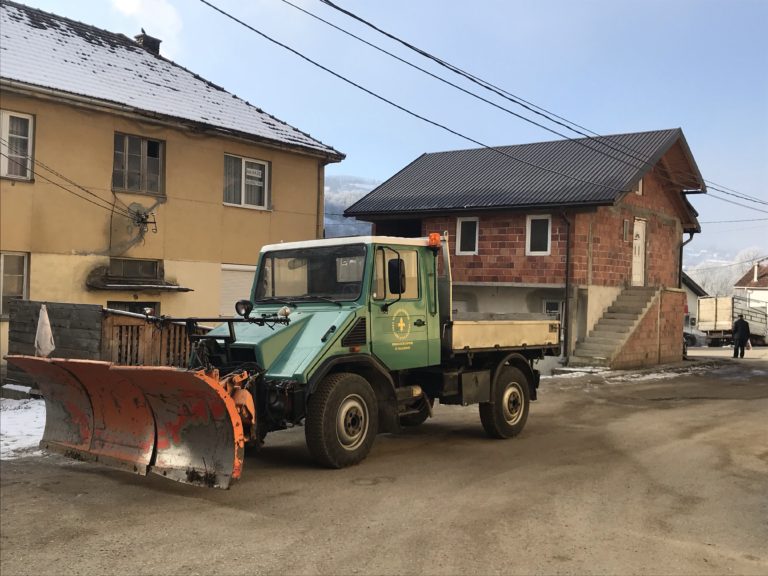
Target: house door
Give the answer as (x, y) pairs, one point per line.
(638, 253)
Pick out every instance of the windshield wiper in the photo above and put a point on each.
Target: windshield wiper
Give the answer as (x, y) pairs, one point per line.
(273, 300)
(318, 297)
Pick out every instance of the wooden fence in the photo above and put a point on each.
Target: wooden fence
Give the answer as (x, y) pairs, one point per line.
(134, 340)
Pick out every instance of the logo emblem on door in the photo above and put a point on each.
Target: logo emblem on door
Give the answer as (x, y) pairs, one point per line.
(401, 324)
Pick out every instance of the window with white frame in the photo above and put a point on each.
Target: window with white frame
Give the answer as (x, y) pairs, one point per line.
(246, 182)
(14, 278)
(138, 164)
(467, 232)
(16, 135)
(538, 235)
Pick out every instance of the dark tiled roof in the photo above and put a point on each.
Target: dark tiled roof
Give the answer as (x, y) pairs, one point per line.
(748, 280)
(575, 173)
(47, 51)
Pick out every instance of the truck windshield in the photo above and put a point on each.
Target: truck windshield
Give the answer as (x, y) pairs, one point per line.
(321, 273)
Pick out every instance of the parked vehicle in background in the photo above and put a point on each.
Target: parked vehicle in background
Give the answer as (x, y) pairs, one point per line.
(716, 315)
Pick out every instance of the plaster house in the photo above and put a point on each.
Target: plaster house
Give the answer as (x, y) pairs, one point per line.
(129, 181)
(754, 286)
(589, 230)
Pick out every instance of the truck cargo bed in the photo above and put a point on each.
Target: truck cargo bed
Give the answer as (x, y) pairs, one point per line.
(488, 331)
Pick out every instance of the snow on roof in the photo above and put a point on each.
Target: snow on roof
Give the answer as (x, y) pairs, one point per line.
(48, 51)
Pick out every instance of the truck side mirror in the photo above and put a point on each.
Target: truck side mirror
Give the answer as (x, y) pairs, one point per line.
(396, 275)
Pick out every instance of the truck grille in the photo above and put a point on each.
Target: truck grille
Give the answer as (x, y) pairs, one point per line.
(356, 335)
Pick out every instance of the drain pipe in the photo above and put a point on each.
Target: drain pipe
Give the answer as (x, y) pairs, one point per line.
(680, 261)
(567, 312)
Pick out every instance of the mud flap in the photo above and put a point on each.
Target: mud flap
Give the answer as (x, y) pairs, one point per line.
(179, 424)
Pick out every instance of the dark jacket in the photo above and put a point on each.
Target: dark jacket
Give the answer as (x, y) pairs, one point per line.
(741, 329)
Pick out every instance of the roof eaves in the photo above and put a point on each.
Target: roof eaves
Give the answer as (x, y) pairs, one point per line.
(383, 215)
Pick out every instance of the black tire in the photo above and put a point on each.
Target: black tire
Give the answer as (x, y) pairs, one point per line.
(506, 414)
(417, 418)
(342, 420)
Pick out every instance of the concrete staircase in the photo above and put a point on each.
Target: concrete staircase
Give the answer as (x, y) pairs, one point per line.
(614, 328)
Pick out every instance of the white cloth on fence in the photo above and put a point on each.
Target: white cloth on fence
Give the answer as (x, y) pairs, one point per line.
(44, 344)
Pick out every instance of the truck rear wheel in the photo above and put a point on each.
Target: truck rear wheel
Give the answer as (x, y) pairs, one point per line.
(506, 414)
(342, 420)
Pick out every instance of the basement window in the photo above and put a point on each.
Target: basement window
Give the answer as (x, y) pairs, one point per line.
(138, 164)
(246, 182)
(16, 145)
(538, 235)
(135, 269)
(467, 231)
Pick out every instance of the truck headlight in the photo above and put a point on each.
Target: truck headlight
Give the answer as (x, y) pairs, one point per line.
(243, 308)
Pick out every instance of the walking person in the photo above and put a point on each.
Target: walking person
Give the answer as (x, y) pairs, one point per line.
(740, 336)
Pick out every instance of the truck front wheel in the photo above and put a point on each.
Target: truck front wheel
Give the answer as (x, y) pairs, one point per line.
(505, 415)
(342, 420)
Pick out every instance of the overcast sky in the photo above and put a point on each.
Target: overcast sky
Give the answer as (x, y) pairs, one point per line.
(610, 65)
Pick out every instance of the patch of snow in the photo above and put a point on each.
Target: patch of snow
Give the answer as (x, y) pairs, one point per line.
(21, 427)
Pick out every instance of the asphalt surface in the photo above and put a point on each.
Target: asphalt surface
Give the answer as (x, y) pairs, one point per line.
(629, 473)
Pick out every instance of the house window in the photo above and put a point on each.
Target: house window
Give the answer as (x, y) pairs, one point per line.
(246, 182)
(150, 308)
(16, 145)
(14, 278)
(639, 190)
(132, 268)
(626, 235)
(138, 164)
(553, 308)
(467, 230)
(538, 235)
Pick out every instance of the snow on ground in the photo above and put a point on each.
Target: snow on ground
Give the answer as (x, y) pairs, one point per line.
(21, 427)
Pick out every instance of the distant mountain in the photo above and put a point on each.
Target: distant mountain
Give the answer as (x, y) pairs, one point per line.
(340, 193)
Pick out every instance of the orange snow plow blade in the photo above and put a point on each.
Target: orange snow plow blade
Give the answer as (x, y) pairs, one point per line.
(179, 424)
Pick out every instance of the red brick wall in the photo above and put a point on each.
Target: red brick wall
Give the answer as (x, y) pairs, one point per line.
(600, 255)
(658, 338)
(501, 250)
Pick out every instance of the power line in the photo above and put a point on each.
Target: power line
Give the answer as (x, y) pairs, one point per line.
(400, 107)
(124, 212)
(108, 207)
(533, 107)
(731, 221)
(750, 261)
(737, 203)
(579, 142)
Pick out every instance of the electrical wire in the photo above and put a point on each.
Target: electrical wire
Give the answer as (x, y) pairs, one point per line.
(402, 108)
(731, 221)
(108, 207)
(579, 142)
(750, 261)
(581, 130)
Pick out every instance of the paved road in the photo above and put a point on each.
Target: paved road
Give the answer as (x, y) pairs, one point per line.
(625, 474)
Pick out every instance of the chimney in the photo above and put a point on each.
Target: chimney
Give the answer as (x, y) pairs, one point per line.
(149, 43)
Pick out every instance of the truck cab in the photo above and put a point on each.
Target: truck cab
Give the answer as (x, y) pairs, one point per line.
(371, 342)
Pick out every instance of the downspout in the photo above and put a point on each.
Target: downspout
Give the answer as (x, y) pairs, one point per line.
(567, 313)
(320, 226)
(680, 261)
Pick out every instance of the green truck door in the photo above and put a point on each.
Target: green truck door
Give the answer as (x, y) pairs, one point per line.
(399, 332)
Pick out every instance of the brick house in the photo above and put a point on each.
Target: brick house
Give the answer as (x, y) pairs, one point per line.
(590, 230)
(129, 181)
